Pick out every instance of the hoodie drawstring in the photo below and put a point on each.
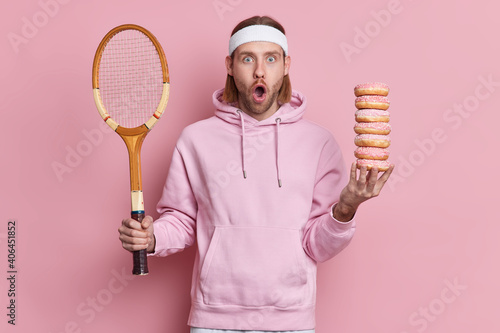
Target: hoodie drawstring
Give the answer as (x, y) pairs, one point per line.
(278, 121)
(240, 113)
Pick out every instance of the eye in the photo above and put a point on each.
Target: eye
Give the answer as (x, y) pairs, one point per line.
(271, 59)
(247, 59)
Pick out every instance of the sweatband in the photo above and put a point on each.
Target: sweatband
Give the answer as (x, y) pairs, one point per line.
(258, 33)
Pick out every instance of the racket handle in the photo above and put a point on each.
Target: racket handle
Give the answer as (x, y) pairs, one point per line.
(140, 257)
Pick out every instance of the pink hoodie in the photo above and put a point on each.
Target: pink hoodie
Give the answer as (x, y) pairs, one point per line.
(258, 242)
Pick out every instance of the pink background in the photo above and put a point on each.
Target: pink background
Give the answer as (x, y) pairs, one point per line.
(424, 258)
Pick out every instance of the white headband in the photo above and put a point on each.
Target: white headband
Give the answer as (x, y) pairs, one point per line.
(258, 33)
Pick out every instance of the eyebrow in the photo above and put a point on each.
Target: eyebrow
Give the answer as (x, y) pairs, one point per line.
(246, 53)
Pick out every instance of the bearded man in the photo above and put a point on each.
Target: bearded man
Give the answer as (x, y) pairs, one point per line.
(262, 191)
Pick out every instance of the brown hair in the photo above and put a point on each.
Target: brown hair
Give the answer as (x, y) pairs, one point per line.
(230, 94)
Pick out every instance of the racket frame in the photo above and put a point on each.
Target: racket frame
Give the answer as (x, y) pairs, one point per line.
(133, 137)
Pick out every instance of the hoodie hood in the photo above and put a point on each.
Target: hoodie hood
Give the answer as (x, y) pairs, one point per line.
(287, 113)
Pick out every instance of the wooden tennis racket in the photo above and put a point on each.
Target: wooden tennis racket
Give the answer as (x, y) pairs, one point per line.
(131, 88)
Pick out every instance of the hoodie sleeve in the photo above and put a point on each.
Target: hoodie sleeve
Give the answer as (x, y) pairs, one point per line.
(324, 237)
(175, 229)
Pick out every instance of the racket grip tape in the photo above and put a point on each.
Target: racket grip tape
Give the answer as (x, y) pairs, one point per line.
(140, 257)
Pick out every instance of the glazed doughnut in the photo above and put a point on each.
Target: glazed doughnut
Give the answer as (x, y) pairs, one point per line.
(372, 115)
(372, 153)
(371, 88)
(380, 128)
(380, 164)
(372, 102)
(372, 140)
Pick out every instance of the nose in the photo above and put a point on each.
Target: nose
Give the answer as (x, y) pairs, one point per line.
(259, 72)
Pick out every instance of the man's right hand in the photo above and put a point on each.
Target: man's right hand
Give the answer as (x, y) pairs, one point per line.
(137, 236)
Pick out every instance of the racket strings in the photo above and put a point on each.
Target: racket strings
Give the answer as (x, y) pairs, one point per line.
(130, 78)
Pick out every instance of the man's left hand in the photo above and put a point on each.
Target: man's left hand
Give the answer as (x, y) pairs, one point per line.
(358, 190)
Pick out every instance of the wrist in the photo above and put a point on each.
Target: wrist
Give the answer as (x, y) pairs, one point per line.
(343, 212)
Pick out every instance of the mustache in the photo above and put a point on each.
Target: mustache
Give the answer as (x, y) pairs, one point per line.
(259, 82)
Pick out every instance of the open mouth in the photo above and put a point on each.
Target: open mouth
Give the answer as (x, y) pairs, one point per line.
(259, 93)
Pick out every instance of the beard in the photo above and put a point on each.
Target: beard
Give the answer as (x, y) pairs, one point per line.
(246, 101)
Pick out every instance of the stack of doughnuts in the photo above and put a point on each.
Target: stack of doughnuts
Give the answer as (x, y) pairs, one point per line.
(372, 125)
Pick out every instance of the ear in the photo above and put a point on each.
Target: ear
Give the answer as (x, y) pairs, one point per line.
(229, 65)
(288, 61)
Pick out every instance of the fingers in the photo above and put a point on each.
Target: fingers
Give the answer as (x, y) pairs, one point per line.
(368, 184)
(353, 177)
(131, 224)
(383, 179)
(134, 243)
(364, 186)
(146, 222)
(372, 180)
(387, 173)
(135, 235)
(362, 176)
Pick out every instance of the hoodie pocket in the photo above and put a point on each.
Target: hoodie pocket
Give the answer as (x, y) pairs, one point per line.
(255, 266)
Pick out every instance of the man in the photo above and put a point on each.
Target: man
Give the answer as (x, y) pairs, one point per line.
(261, 191)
